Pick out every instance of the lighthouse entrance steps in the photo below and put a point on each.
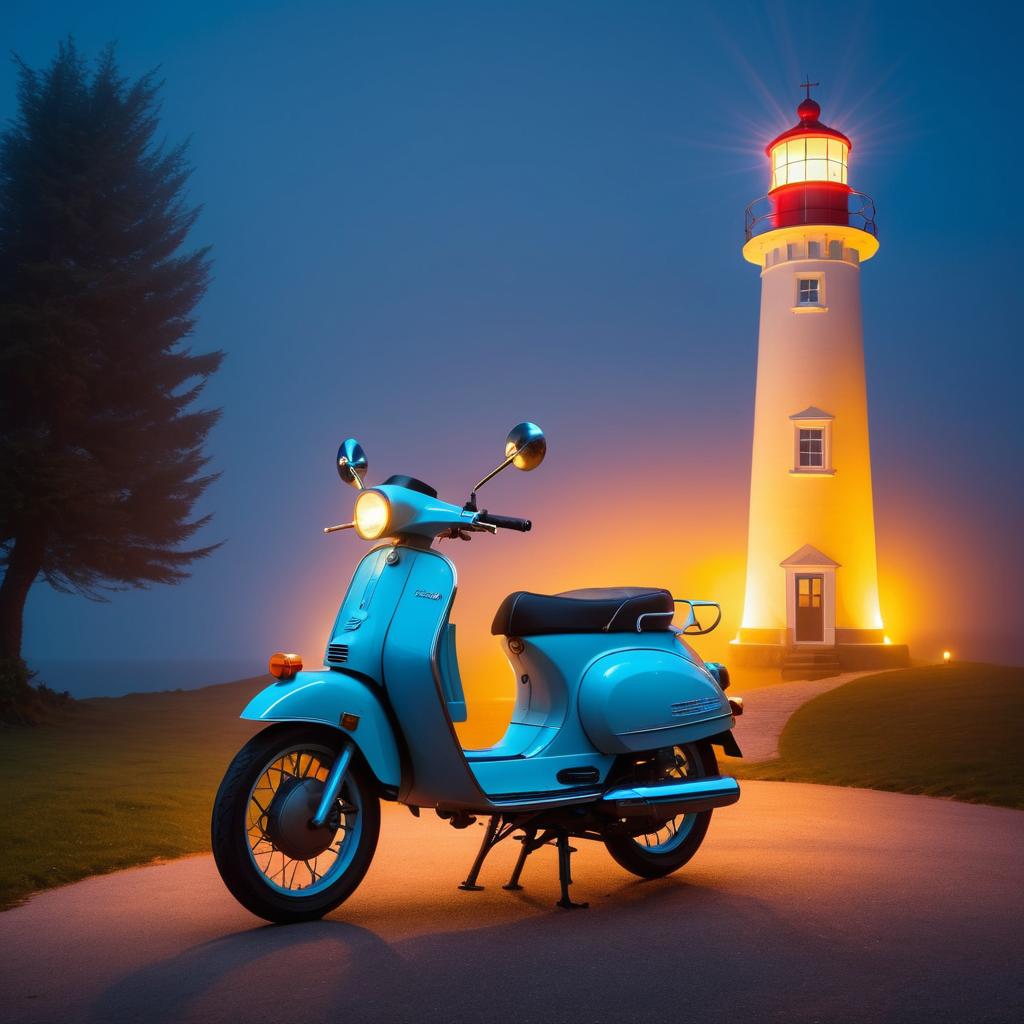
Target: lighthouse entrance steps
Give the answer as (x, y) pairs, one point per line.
(810, 663)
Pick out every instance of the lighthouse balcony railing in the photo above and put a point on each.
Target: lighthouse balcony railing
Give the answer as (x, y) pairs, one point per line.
(768, 213)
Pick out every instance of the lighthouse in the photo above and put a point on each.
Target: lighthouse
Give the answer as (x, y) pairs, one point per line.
(811, 601)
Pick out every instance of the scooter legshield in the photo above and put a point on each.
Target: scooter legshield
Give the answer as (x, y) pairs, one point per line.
(326, 697)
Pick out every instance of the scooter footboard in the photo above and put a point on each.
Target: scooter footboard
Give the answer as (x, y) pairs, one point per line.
(342, 701)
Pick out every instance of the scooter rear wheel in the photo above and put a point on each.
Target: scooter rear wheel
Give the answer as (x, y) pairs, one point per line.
(272, 862)
(659, 853)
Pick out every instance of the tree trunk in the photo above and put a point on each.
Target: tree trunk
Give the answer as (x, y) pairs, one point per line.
(23, 565)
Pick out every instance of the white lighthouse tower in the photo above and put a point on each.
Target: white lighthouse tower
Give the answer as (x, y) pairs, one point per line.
(811, 602)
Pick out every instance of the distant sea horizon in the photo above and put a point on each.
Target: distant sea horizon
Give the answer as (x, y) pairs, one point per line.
(96, 678)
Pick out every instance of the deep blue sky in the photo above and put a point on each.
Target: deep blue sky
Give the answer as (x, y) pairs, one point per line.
(431, 220)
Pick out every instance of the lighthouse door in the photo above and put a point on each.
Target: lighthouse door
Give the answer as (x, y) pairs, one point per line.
(810, 608)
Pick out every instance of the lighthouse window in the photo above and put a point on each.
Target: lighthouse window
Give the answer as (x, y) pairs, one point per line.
(812, 448)
(809, 291)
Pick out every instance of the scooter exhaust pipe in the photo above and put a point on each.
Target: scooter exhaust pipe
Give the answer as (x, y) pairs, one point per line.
(671, 797)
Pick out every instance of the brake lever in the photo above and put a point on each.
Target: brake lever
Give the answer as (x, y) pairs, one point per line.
(455, 533)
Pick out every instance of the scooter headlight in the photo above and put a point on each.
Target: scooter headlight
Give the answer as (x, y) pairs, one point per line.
(372, 514)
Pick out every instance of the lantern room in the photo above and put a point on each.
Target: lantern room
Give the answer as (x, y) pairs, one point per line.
(809, 170)
(809, 190)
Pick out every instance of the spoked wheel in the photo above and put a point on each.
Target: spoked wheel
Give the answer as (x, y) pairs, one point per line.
(271, 859)
(659, 853)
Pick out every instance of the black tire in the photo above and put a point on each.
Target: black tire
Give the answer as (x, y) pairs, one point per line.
(231, 849)
(631, 854)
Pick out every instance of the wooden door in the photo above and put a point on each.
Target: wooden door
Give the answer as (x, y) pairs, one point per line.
(810, 608)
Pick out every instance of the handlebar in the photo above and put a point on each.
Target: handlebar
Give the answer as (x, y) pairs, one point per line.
(505, 522)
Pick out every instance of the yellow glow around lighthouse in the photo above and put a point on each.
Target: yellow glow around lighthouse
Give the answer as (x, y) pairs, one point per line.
(809, 158)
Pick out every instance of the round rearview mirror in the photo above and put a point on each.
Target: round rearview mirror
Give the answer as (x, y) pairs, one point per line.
(526, 446)
(352, 462)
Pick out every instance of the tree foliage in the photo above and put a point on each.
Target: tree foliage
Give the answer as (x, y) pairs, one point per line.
(101, 447)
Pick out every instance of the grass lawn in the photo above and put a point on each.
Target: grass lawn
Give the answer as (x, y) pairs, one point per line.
(946, 730)
(114, 782)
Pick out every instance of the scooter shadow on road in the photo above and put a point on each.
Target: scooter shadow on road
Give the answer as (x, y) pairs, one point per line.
(333, 961)
(163, 991)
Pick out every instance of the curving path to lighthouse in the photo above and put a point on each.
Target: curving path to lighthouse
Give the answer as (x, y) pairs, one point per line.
(768, 709)
(806, 903)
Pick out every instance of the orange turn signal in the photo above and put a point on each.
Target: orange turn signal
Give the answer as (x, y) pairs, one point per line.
(285, 666)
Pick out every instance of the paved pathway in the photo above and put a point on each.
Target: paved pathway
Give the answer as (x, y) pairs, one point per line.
(766, 712)
(805, 904)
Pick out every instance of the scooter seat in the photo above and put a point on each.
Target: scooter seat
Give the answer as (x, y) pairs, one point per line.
(599, 610)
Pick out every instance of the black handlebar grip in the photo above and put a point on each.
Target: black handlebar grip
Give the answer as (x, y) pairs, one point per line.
(505, 522)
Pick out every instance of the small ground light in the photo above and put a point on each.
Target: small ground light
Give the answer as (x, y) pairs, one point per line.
(887, 641)
(945, 657)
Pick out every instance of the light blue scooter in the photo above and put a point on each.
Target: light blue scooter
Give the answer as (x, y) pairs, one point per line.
(612, 737)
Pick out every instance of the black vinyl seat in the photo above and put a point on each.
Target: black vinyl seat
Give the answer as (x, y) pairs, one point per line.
(599, 610)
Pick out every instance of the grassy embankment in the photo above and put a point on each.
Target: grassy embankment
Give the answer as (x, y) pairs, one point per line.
(943, 730)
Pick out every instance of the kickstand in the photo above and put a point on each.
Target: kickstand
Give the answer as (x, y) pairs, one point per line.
(529, 845)
(469, 885)
(564, 876)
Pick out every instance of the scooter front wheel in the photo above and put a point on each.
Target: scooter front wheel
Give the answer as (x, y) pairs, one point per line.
(270, 858)
(667, 849)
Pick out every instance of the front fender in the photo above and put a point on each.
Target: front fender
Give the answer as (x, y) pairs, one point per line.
(325, 697)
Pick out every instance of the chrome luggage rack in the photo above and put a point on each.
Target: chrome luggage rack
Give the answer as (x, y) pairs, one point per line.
(692, 626)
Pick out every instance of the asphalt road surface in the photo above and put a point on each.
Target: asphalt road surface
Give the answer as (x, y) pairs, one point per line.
(806, 903)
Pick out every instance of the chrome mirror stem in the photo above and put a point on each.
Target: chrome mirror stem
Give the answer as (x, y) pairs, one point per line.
(494, 472)
(340, 526)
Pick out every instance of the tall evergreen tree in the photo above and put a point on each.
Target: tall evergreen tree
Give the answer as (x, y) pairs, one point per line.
(101, 450)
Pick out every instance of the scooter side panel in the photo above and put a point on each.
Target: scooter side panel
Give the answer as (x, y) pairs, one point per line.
(548, 670)
(641, 699)
(326, 696)
(554, 667)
